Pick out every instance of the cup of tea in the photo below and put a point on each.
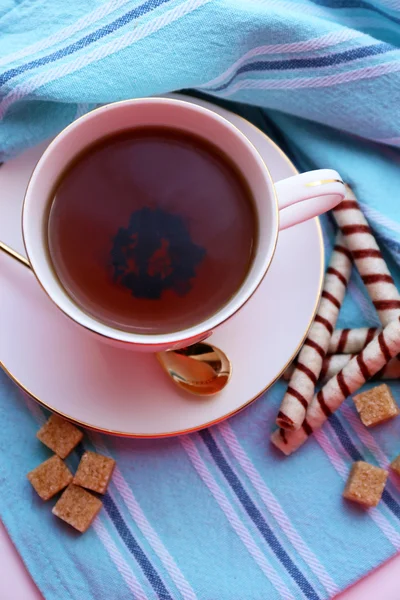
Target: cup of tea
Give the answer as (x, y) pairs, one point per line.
(151, 222)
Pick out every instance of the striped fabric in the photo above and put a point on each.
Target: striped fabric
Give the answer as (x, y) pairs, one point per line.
(217, 515)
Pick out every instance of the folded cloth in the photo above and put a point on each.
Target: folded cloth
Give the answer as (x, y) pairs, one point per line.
(217, 515)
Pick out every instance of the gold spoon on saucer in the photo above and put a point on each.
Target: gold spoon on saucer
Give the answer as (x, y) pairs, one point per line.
(201, 369)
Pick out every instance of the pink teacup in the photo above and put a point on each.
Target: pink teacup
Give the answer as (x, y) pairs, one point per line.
(280, 205)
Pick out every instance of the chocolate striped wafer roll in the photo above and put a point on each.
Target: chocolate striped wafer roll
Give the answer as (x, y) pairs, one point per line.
(360, 369)
(308, 365)
(351, 341)
(368, 258)
(333, 363)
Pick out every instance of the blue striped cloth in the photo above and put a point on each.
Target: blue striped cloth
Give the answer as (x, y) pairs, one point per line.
(217, 515)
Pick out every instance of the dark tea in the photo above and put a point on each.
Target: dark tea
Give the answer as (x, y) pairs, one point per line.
(151, 230)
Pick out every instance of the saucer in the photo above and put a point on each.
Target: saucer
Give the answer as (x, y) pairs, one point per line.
(119, 391)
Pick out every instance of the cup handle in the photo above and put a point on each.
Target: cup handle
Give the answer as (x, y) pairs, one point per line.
(308, 195)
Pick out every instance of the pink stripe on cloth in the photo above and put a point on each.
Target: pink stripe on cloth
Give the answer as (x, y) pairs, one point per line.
(275, 509)
(330, 39)
(230, 513)
(313, 82)
(145, 527)
(119, 561)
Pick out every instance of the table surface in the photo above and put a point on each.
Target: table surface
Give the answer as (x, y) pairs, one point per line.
(16, 583)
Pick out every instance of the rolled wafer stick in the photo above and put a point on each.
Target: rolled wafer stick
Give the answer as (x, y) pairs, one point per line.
(351, 341)
(368, 258)
(302, 383)
(333, 363)
(360, 369)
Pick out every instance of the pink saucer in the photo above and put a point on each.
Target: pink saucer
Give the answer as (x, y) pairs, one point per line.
(126, 393)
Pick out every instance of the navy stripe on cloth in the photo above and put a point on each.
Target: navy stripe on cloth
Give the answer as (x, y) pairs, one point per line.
(136, 12)
(134, 548)
(256, 516)
(356, 4)
(305, 63)
(354, 453)
(131, 543)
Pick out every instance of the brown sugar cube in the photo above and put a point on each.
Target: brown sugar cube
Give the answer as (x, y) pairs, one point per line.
(376, 405)
(94, 472)
(395, 465)
(77, 507)
(50, 477)
(59, 435)
(365, 484)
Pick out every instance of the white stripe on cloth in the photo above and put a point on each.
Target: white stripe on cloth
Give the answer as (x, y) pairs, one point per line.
(370, 23)
(131, 527)
(343, 470)
(236, 522)
(394, 141)
(338, 13)
(145, 527)
(377, 217)
(84, 59)
(391, 4)
(334, 15)
(330, 39)
(119, 561)
(65, 33)
(315, 82)
(276, 510)
(271, 71)
(101, 532)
